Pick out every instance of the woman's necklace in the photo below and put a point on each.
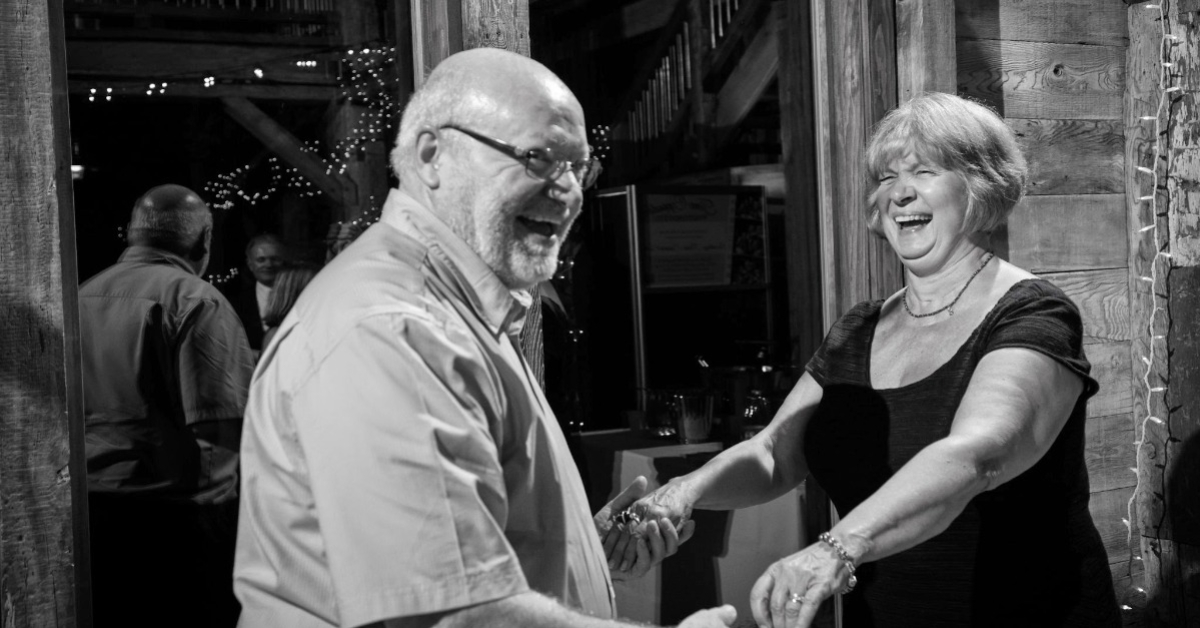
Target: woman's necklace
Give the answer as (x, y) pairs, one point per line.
(949, 306)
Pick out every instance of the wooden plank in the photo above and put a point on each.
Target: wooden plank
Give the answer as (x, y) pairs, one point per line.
(150, 61)
(1103, 300)
(1036, 80)
(755, 71)
(1108, 450)
(1112, 370)
(43, 548)
(489, 24)
(1072, 156)
(1108, 508)
(1050, 21)
(283, 144)
(1074, 232)
(925, 55)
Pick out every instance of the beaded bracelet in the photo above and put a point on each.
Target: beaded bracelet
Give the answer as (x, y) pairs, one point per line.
(843, 556)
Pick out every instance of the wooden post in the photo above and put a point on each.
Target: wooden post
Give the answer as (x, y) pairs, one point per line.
(438, 32)
(801, 215)
(1168, 307)
(43, 493)
(854, 85)
(925, 47)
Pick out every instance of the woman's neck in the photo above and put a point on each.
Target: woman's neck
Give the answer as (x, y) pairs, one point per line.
(936, 289)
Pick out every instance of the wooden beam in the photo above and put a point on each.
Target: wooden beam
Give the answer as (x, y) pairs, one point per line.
(755, 71)
(43, 499)
(1169, 305)
(925, 47)
(258, 91)
(153, 61)
(283, 144)
(642, 17)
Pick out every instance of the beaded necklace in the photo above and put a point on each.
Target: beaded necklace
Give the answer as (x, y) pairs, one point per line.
(949, 306)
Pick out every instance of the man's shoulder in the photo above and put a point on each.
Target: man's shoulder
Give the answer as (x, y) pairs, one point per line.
(383, 272)
(163, 283)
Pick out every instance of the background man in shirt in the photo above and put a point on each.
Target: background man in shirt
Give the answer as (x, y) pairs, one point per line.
(401, 463)
(166, 367)
(265, 257)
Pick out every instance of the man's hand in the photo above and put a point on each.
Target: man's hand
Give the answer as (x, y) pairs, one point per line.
(633, 548)
(720, 617)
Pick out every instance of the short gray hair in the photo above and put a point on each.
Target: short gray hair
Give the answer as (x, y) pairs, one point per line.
(170, 217)
(959, 135)
(446, 97)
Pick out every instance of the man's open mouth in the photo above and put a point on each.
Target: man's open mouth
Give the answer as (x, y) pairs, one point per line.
(540, 227)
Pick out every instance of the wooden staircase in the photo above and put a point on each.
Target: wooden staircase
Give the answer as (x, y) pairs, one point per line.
(706, 96)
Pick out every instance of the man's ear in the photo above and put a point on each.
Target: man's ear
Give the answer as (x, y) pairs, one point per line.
(428, 154)
(203, 242)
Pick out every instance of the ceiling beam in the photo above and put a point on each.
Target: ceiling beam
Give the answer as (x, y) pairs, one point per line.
(283, 144)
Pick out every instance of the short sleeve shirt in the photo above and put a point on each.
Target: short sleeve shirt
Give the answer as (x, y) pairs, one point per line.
(162, 350)
(399, 459)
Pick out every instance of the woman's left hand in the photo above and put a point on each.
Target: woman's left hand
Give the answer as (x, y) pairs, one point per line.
(792, 589)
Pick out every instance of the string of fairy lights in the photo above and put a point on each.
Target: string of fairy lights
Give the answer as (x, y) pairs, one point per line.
(1160, 118)
(365, 79)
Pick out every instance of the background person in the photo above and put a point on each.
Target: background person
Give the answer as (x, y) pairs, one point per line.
(289, 283)
(166, 367)
(265, 256)
(946, 422)
(401, 463)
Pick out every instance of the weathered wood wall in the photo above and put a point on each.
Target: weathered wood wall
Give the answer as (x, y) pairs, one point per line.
(1163, 203)
(1055, 69)
(42, 548)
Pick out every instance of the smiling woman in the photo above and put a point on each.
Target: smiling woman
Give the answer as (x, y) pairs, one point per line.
(937, 419)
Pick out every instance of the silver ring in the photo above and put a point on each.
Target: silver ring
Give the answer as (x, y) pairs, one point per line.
(627, 519)
(797, 598)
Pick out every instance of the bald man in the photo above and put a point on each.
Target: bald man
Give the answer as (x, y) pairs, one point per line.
(401, 466)
(166, 368)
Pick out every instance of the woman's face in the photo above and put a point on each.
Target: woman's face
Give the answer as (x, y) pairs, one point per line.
(922, 211)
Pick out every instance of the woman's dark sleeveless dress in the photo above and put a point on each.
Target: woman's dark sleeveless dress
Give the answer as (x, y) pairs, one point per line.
(1023, 554)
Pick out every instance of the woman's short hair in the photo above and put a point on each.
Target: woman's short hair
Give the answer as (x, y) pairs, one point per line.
(289, 283)
(959, 135)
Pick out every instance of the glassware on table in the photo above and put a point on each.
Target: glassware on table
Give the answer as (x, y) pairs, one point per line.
(693, 416)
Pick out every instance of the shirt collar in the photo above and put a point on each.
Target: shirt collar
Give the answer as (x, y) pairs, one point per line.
(501, 308)
(149, 255)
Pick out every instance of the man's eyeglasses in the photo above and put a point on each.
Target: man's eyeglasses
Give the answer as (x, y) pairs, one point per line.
(540, 162)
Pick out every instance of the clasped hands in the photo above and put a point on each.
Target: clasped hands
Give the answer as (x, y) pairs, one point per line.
(639, 531)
